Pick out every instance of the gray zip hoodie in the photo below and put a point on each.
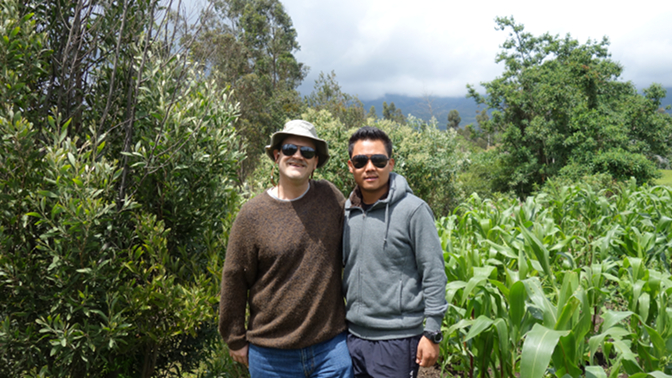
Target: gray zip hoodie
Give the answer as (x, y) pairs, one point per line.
(394, 275)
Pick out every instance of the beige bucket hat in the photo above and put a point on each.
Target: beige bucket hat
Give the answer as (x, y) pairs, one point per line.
(300, 128)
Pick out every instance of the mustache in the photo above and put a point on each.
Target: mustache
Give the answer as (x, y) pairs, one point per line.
(298, 162)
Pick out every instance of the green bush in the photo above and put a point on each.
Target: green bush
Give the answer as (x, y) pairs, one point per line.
(111, 243)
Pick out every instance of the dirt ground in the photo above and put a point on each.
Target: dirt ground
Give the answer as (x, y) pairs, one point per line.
(431, 372)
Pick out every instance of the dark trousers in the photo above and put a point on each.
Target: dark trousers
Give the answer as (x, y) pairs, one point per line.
(384, 358)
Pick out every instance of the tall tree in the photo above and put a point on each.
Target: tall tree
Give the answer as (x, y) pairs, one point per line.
(563, 111)
(454, 119)
(372, 113)
(327, 95)
(249, 45)
(392, 113)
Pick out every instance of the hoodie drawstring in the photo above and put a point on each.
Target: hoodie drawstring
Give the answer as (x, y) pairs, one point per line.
(387, 216)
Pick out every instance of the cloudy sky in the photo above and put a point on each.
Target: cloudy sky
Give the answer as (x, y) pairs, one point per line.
(434, 47)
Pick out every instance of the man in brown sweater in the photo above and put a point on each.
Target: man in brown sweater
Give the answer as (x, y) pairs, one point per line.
(284, 261)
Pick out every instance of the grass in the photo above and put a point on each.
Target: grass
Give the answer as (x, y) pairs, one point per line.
(666, 179)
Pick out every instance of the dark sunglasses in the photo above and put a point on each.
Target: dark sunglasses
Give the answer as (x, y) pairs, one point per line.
(378, 160)
(290, 150)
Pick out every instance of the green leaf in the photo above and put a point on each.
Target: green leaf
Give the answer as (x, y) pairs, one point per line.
(595, 372)
(538, 297)
(611, 318)
(537, 350)
(480, 324)
(595, 341)
(539, 249)
(517, 297)
(564, 357)
(656, 340)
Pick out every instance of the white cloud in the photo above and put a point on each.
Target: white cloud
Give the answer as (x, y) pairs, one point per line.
(437, 47)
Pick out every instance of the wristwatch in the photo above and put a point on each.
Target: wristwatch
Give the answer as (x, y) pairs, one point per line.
(435, 337)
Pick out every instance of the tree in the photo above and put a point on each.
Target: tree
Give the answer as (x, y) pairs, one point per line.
(249, 46)
(372, 113)
(454, 119)
(391, 113)
(327, 95)
(562, 111)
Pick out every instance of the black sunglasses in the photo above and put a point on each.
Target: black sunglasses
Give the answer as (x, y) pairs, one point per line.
(378, 160)
(290, 150)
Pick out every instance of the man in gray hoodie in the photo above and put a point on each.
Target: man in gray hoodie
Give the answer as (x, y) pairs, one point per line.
(394, 279)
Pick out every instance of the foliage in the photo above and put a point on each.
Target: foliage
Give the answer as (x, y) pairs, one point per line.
(327, 95)
(249, 46)
(115, 211)
(23, 58)
(562, 111)
(425, 155)
(666, 178)
(392, 113)
(454, 119)
(572, 281)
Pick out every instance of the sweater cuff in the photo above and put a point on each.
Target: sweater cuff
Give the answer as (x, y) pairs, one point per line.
(237, 344)
(433, 323)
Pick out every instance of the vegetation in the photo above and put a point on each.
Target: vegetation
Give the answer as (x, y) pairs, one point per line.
(129, 139)
(249, 46)
(562, 111)
(571, 282)
(117, 173)
(665, 177)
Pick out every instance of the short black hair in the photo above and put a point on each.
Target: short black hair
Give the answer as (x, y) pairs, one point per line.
(370, 133)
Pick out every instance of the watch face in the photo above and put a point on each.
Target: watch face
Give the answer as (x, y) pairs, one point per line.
(435, 337)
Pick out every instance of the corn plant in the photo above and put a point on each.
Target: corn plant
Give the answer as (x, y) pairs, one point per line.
(571, 282)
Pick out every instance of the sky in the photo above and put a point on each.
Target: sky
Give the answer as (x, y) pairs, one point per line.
(436, 48)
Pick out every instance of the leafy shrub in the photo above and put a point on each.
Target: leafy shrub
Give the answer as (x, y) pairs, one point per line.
(110, 256)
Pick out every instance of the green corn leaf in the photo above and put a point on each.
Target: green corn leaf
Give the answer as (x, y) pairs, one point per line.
(549, 312)
(611, 318)
(502, 288)
(595, 372)
(537, 350)
(462, 324)
(565, 358)
(480, 324)
(480, 276)
(595, 341)
(644, 303)
(628, 358)
(502, 335)
(656, 340)
(567, 314)
(517, 297)
(659, 374)
(540, 251)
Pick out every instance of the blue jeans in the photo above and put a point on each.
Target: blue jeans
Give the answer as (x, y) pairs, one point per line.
(328, 359)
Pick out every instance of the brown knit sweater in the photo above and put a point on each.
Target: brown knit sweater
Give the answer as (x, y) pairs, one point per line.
(287, 254)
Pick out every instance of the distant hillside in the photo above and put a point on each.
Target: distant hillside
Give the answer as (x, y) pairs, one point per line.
(425, 108)
(440, 106)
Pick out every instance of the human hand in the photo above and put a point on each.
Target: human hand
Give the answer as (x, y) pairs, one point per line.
(428, 353)
(240, 355)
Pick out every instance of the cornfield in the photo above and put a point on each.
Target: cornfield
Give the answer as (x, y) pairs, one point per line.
(572, 282)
